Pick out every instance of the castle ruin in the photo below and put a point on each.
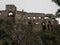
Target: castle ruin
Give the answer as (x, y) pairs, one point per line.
(38, 20)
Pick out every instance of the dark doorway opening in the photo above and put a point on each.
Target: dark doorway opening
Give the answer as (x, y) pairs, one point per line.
(43, 26)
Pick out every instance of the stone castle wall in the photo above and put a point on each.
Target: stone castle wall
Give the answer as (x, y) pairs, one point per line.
(38, 20)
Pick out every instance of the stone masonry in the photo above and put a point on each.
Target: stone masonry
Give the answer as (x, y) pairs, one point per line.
(38, 20)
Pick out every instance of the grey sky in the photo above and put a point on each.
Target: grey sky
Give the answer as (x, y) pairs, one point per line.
(40, 6)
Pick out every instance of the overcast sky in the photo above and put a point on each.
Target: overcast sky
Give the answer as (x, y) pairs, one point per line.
(39, 6)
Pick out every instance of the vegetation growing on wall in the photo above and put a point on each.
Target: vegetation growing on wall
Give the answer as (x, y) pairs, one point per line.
(10, 36)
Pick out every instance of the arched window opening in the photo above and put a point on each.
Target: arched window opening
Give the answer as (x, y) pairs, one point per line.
(46, 17)
(10, 13)
(37, 23)
(28, 17)
(34, 17)
(51, 27)
(43, 26)
(39, 17)
(29, 22)
(48, 27)
(49, 22)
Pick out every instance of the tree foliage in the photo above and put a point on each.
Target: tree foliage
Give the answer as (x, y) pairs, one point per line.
(57, 2)
(26, 35)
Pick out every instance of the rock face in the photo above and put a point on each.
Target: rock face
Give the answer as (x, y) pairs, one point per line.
(39, 21)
